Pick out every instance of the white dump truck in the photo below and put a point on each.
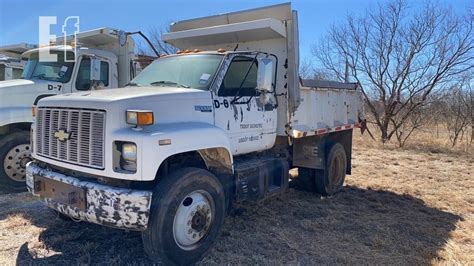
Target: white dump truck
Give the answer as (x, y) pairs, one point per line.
(94, 60)
(11, 62)
(220, 122)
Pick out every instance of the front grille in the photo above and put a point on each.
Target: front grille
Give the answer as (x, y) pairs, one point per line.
(71, 135)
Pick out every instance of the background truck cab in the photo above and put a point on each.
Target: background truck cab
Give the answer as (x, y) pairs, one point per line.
(95, 61)
(11, 61)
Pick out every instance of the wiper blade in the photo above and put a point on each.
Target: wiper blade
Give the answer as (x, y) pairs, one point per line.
(39, 77)
(132, 84)
(161, 82)
(42, 77)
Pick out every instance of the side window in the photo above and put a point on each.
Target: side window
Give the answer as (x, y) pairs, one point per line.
(17, 73)
(83, 81)
(104, 73)
(2, 72)
(236, 74)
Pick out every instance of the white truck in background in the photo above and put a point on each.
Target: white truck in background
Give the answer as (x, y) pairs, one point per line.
(11, 62)
(98, 59)
(222, 121)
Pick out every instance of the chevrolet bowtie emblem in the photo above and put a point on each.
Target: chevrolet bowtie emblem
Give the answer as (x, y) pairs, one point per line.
(62, 135)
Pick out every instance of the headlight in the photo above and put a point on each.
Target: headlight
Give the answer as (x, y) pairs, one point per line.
(128, 158)
(129, 152)
(140, 117)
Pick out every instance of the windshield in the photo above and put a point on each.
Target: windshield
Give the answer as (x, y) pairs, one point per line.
(54, 71)
(186, 71)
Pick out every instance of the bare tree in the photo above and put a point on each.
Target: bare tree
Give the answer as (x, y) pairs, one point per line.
(400, 56)
(306, 70)
(161, 46)
(154, 34)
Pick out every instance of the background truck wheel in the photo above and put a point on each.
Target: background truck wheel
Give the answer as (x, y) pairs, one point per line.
(330, 180)
(187, 211)
(15, 153)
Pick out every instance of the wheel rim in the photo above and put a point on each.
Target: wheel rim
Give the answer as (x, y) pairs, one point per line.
(193, 219)
(15, 162)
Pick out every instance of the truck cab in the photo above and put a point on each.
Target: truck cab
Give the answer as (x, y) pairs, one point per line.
(94, 61)
(220, 122)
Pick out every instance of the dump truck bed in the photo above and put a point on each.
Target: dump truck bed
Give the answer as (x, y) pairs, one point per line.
(14, 51)
(327, 106)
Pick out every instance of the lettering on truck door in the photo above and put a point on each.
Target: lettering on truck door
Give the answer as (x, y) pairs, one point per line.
(237, 108)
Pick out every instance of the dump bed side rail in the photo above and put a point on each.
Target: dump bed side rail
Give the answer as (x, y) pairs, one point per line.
(328, 107)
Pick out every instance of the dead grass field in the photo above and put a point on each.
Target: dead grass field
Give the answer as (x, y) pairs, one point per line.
(398, 207)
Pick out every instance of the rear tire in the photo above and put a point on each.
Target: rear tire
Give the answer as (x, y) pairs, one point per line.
(187, 212)
(331, 180)
(15, 152)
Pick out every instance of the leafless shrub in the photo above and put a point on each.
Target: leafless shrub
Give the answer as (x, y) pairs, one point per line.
(417, 119)
(457, 113)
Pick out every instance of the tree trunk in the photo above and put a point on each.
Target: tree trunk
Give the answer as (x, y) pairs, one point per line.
(384, 133)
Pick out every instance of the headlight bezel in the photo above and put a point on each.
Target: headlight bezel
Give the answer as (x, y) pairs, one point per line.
(125, 156)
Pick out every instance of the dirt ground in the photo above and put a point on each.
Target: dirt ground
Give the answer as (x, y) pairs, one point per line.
(398, 207)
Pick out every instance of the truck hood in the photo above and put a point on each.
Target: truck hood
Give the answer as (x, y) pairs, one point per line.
(128, 94)
(22, 93)
(169, 104)
(15, 82)
(18, 95)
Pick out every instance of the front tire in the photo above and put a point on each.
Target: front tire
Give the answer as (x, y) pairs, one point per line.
(187, 212)
(15, 153)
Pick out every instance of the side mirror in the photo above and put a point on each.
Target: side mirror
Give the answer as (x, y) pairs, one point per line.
(265, 75)
(122, 38)
(95, 69)
(95, 73)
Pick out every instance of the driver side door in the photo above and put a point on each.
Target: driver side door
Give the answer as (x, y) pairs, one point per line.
(238, 111)
(82, 82)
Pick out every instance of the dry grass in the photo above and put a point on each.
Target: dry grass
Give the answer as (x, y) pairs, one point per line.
(398, 207)
(431, 139)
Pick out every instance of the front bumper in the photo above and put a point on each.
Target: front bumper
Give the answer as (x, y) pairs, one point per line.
(105, 205)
